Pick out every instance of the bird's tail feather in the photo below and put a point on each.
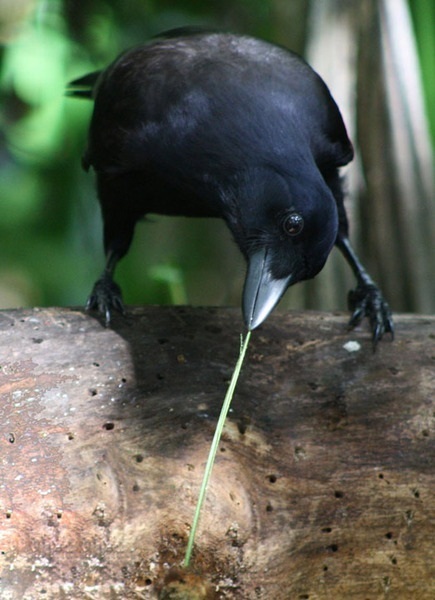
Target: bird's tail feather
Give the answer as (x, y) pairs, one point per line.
(83, 87)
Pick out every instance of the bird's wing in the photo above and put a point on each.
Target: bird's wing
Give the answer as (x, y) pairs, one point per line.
(228, 99)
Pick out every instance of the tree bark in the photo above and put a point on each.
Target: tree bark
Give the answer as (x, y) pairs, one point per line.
(323, 486)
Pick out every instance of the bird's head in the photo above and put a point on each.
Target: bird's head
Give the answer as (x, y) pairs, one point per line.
(286, 230)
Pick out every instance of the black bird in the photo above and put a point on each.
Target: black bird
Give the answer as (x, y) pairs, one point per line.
(205, 124)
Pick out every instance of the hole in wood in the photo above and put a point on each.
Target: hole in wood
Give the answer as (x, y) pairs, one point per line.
(242, 427)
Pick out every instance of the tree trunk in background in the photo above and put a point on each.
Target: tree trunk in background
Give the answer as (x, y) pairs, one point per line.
(366, 52)
(323, 486)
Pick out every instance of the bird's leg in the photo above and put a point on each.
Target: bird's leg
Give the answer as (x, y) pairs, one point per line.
(366, 300)
(106, 294)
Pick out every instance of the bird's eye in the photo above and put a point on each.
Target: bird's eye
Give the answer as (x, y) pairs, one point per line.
(293, 224)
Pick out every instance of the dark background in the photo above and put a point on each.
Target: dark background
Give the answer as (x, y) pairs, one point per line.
(50, 230)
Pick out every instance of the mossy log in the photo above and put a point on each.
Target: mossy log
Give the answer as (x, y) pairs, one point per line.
(324, 485)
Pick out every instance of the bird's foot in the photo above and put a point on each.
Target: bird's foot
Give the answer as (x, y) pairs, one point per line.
(106, 296)
(367, 301)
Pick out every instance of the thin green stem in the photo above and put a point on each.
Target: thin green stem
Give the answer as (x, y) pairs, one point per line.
(214, 446)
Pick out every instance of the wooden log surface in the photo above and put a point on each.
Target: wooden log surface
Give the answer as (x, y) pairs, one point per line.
(324, 486)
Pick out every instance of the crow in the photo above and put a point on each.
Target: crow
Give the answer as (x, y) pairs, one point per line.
(209, 124)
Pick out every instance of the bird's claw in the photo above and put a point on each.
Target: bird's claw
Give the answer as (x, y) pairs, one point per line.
(106, 296)
(367, 301)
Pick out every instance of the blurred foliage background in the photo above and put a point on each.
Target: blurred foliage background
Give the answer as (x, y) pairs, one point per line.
(377, 56)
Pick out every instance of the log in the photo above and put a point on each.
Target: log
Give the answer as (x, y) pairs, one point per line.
(324, 483)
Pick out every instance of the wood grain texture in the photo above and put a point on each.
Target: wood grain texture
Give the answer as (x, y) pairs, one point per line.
(324, 484)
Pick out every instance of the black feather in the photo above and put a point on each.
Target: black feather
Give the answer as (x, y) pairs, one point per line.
(83, 87)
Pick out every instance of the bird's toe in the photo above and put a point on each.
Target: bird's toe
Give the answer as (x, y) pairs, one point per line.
(367, 301)
(106, 296)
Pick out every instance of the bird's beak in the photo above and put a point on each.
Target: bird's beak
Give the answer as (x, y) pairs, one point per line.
(262, 291)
